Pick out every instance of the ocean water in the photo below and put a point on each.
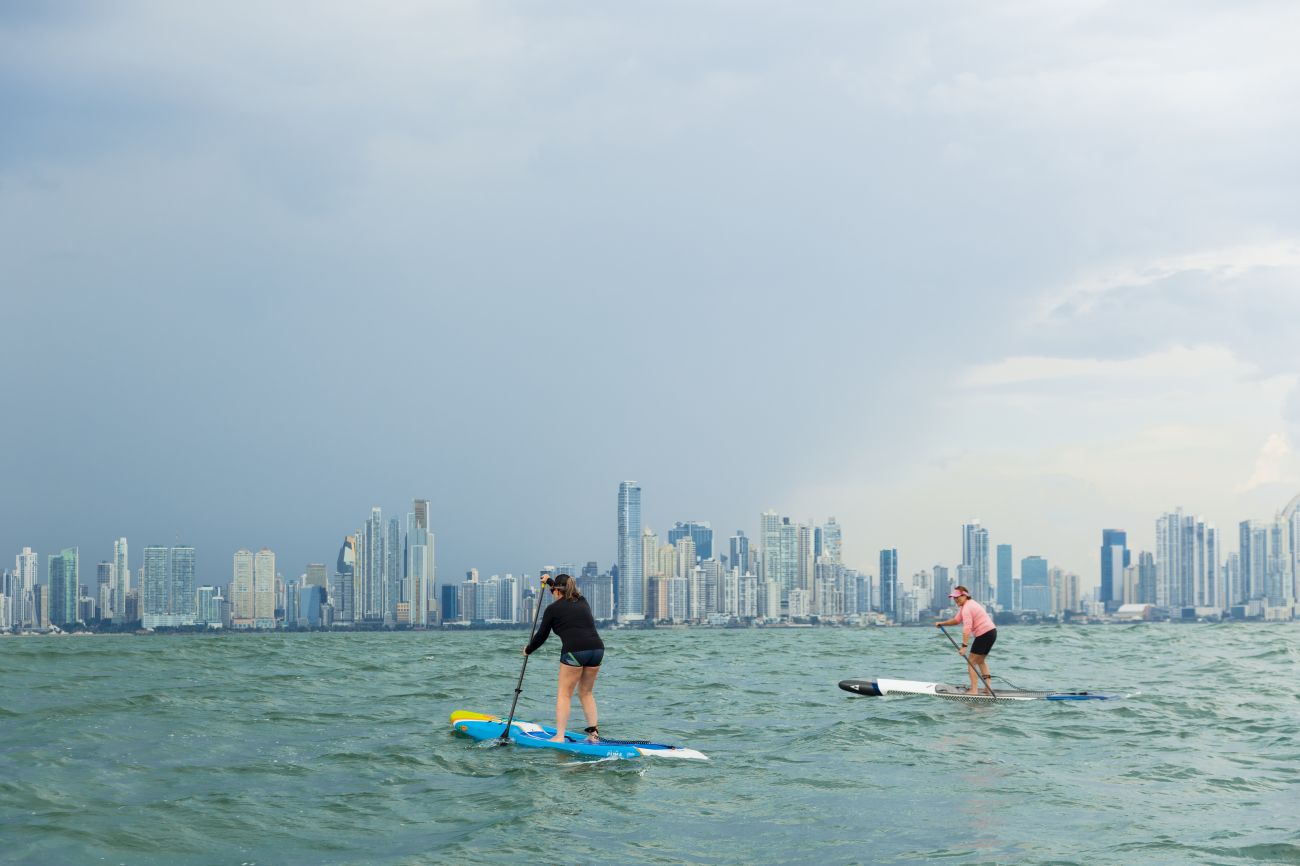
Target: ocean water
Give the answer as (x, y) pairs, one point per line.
(336, 749)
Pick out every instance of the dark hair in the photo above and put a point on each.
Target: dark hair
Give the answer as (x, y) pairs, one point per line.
(565, 584)
(963, 590)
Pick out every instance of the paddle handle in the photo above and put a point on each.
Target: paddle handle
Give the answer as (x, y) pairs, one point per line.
(968, 661)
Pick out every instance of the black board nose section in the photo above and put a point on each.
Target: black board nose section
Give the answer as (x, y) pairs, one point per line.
(867, 688)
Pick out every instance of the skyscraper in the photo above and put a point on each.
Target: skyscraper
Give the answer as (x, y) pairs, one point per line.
(343, 592)
(64, 575)
(700, 532)
(420, 565)
(629, 591)
(241, 590)
(122, 565)
(1006, 597)
(156, 588)
(264, 589)
(27, 578)
(1035, 591)
(184, 600)
(975, 554)
(740, 553)
(1187, 566)
(1114, 559)
(889, 583)
(832, 543)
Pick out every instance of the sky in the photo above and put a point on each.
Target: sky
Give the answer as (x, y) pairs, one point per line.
(263, 268)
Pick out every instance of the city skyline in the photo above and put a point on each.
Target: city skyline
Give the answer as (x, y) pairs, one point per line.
(410, 561)
(1009, 263)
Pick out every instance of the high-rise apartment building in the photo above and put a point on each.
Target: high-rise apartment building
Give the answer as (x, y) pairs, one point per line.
(1114, 559)
(264, 589)
(832, 544)
(421, 569)
(27, 578)
(1006, 584)
(629, 597)
(1035, 590)
(700, 532)
(889, 583)
(121, 565)
(242, 606)
(64, 577)
(740, 553)
(975, 554)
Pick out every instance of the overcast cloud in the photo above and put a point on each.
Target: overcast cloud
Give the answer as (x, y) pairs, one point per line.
(904, 264)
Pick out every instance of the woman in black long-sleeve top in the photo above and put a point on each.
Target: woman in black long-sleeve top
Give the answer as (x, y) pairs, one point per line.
(581, 652)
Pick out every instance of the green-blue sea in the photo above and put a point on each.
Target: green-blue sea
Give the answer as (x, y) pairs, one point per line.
(335, 748)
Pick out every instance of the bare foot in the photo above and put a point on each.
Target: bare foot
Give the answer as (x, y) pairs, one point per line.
(558, 738)
(972, 691)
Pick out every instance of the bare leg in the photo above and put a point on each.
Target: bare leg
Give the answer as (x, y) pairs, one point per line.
(585, 684)
(974, 678)
(977, 663)
(984, 669)
(569, 676)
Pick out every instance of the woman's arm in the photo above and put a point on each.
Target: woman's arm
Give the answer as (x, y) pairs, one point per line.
(956, 620)
(543, 632)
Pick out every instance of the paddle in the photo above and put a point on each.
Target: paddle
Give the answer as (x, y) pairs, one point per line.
(519, 686)
(969, 662)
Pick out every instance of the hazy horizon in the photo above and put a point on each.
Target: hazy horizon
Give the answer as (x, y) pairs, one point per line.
(905, 266)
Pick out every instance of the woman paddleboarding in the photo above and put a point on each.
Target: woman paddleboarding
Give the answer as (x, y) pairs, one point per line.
(581, 652)
(975, 623)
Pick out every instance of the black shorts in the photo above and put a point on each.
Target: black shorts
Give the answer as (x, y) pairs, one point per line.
(583, 658)
(982, 644)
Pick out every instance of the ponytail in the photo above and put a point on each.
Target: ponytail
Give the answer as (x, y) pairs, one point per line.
(566, 585)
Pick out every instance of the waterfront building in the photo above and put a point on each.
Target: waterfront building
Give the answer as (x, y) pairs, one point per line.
(889, 583)
(685, 564)
(156, 587)
(264, 578)
(649, 566)
(1114, 559)
(64, 580)
(317, 574)
(343, 590)
(740, 552)
(450, 606)
(1035, 590)
(27, 577)
(629, 598)
(699, 531)
(1187, 566)
(1006, 586)
(832, 544)
(209, 602)
(657, 598)
(105, 585)
(975, 555)
(421, 570)
(122, 569)
(942, 586)
(311, 606)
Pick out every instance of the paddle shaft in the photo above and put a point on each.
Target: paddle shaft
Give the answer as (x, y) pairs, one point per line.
(519, 686)
(968, 661)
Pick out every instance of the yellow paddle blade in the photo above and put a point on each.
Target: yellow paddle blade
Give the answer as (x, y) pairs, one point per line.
(467, 716)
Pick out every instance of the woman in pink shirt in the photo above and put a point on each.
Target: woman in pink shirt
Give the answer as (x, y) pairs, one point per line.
(975, 622)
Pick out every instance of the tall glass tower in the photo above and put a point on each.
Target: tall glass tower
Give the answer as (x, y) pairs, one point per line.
(889, 583)
(975, 554)
(64, 588)
(630, 598)
(1114, 559)
(1006, 598)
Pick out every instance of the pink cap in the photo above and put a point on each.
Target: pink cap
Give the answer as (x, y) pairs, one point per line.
(956, 593)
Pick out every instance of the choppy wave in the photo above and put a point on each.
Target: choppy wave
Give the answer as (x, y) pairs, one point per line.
(335, 749)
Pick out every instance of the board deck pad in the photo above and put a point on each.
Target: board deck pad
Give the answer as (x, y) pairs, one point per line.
(482, 727)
